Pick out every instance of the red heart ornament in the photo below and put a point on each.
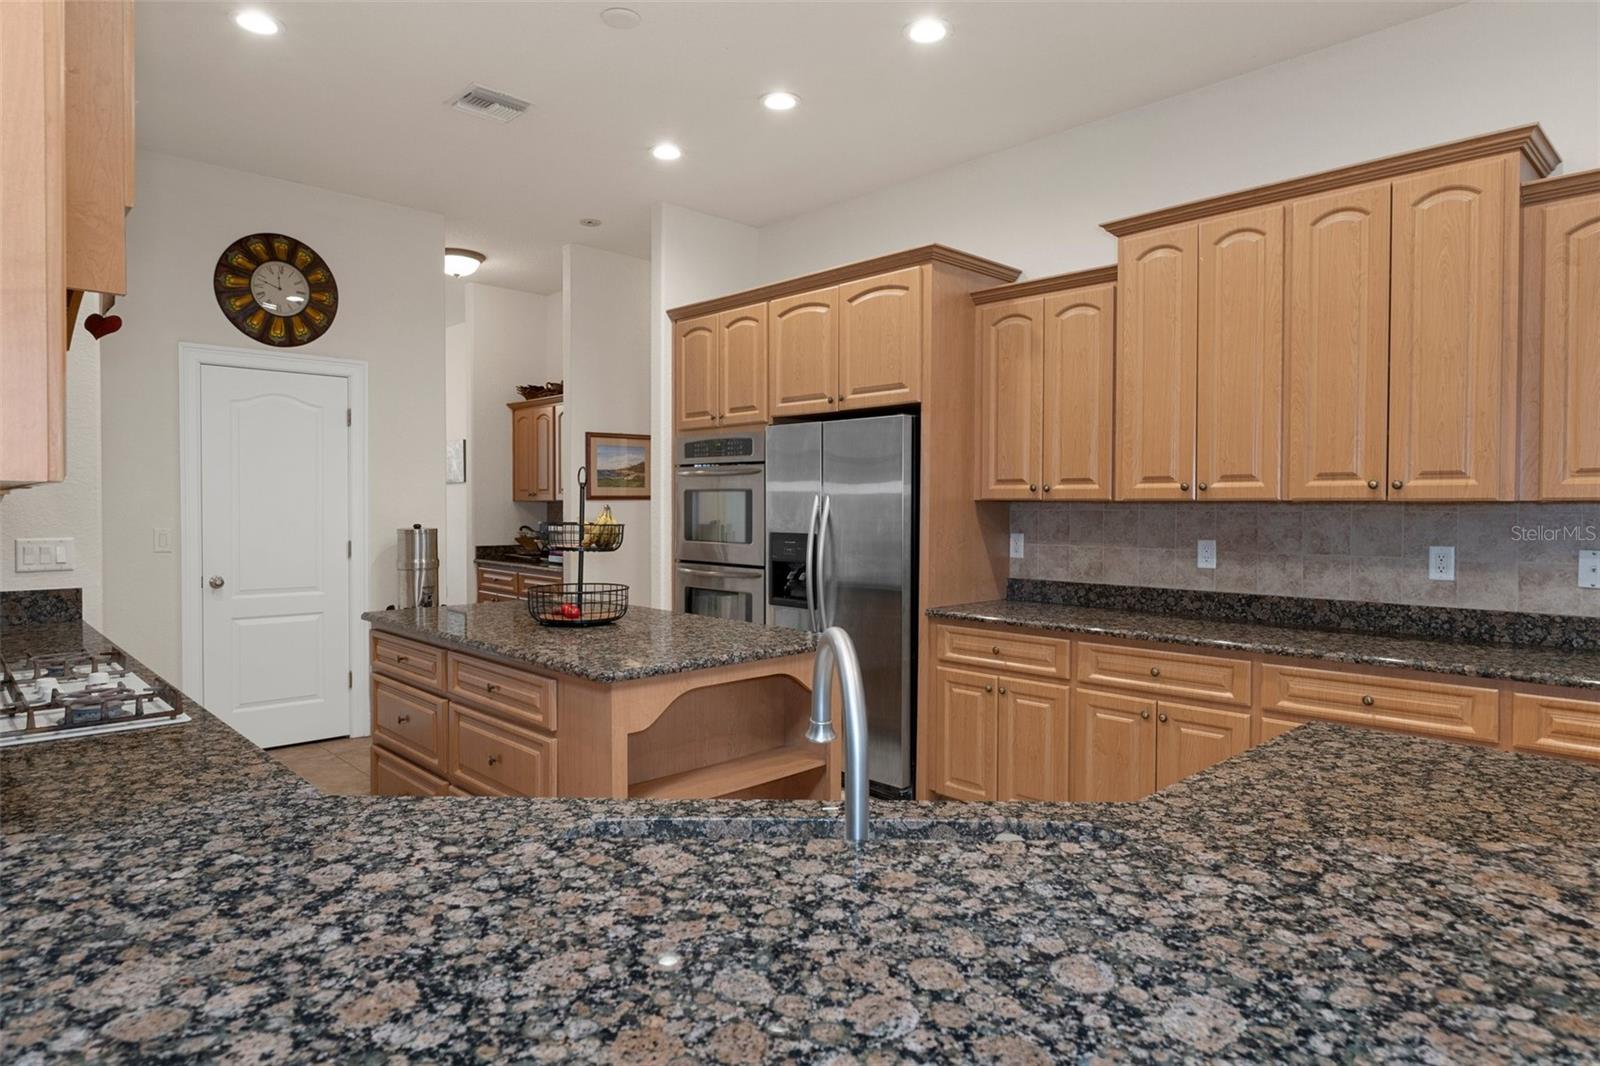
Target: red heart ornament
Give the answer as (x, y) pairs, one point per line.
(102, 325)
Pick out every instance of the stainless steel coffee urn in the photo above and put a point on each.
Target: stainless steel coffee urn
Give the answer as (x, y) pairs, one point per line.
(417, 563)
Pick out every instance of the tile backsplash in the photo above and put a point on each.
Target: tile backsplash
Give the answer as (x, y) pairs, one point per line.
(1509, 556)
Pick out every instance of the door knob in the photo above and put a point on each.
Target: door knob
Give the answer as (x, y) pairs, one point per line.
(1161, 718)
(1372, 484)
(1397, 484)
(1144, 714)
(216, 582)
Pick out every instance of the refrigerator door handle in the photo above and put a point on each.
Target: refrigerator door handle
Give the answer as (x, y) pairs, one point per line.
(811, 571)
(822, 556)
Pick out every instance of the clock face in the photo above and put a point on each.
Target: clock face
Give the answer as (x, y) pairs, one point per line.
(276, 289)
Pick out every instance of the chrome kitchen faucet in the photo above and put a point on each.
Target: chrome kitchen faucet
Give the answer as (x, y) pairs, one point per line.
(834, 645)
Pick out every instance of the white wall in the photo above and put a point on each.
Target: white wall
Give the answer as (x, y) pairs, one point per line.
(1463, 71)
(391, 315)
(68, 508)
(456, 576)
(693, 256)
(606, 341)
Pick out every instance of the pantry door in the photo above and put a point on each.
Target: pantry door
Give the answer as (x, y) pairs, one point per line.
(275, 500)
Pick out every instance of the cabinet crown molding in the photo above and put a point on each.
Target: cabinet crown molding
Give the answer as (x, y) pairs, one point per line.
(1561, 187)
(927, 253)
(1078, 279)
(539, 402)
(1529, 140)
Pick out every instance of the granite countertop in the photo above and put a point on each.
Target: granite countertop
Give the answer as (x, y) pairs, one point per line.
(1334, 894)
(515, 558)
(1544, 666)
(645, 642)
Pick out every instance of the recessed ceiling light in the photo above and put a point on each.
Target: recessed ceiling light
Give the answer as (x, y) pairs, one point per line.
(780, 101)
(591, 223)
(928, 30)
(255, 21)
(666, 151)
(620, 18)
(459, 262)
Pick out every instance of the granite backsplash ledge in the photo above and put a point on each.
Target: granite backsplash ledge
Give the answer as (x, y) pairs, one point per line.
(1509, 556)
(1564, 632)
(40, 607)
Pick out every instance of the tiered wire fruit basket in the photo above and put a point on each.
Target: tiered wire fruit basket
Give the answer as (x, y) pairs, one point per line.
(585, 603)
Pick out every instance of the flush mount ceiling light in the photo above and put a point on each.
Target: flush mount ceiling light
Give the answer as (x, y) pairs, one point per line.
(590, 223)
(620, 18)
(459, 262)
(666, 151)
(256, 21)
(928, 30)
(780, 101)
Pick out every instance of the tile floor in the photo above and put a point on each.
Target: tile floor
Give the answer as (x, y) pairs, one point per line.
(337, 766)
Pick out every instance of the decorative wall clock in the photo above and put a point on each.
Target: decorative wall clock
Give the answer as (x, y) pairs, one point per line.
(276, 290)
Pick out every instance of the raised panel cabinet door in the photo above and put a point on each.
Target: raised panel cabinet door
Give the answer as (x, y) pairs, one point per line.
(1451, 429)
(1113, 747)
(1337, 366)
(1032, 744)
(99, 105)
(695, 373)
(964, 735)
(1010, 349)
(1189, 739)
(880, 340)
(1080, 342)
(1157, 339)
(523, 454)
(1569, 448)
(544, 452)
(1239, 390)
(803, 353)
(742, 366)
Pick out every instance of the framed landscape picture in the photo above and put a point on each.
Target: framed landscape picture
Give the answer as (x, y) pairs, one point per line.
(619, 465)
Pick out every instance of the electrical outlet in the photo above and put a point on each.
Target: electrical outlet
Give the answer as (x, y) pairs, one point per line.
(1441, 563)
(1589, 570)
(35, 555)
(161, 540)
(1205, 555)
(1016, 545)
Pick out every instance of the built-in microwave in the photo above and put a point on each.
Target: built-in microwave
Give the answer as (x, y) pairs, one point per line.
(721, 487)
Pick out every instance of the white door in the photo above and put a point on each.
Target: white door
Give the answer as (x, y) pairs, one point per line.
(274, 535)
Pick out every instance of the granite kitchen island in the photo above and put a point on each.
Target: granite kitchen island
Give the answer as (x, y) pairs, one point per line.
(484, 700)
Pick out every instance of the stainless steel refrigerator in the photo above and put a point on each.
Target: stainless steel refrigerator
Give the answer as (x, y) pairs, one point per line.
(842, 550)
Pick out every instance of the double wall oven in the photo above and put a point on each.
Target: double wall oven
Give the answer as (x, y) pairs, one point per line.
(721, 515)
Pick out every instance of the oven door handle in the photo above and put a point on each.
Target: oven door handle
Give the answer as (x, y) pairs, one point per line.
(705, 571)
(720, 471)
(811, 571)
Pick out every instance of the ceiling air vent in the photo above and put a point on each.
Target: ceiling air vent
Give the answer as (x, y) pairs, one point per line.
(486, 102)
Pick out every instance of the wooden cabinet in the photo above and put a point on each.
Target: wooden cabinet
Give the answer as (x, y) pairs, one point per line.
(535, 461)
(881, 339)
(1045, 396)
(803, 353)
(394, 776)
(1032, 750)
(492, 756)
(1006, 650)
(497, 584)
(1436, 708)
(1191, 738)
(1114, 742)
(1337, 363)
(1561, 338)
(1157, 340)
(742, 366)
(98, 167)
(1451, 322)
(1555, 725)
(1239, 389)
(409, 721)
(965, 727)
(695, 376)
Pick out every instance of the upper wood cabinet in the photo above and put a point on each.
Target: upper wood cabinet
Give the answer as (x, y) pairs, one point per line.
(1561, 338)
(803, 353)
(1010, 369)
(1239, 394)
(1451, 343)
(742, 369)
(695, 374)
(1337, 364)
(535, 462)
(99, 143)
(1157, 340)
(880, 340)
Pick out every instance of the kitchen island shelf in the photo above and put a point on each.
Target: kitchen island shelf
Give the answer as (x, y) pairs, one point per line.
(726, 779)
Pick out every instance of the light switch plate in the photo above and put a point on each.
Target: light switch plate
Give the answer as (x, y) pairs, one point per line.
(1205, 554)
(1441, 563)
(161, 540)
(38, 554)
(1016, 545)
(1589, 569)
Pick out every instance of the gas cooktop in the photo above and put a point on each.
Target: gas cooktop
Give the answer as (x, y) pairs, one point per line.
(78, 694)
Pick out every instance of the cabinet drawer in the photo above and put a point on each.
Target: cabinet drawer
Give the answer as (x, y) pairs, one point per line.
(408, 660)
(527, 698)
(533, 581)
(1555, 725)
(491, 756)
(408, 721)
(1215, 678)
(1005, 650)
(497, 580)
(1462, 712)
(394, 776)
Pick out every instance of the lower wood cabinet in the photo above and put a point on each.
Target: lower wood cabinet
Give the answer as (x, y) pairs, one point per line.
(490, 755)
(497, 585)
(1438, 708)
(1555, 725)
(394, 776)
(1190, 739)
(999, 738)
(965, 728)
(1114, 738)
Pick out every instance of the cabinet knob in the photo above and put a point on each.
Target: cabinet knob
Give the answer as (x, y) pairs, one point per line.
(1397, 484)
(1372, 484)
(1184, 485)
(402, 719)
(490, 686)
(1161, 717)
(832, 400)
(1002, 690)
(1047, 488)
(402, 659)
(995, 650)
(1155, 671)
(1033, 488)
(493, 759)
(988, 688)
(1202, 486)
(1367, 701)
(1144, 714)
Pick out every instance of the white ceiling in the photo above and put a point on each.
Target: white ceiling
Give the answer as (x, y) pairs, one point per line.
(351, 97)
